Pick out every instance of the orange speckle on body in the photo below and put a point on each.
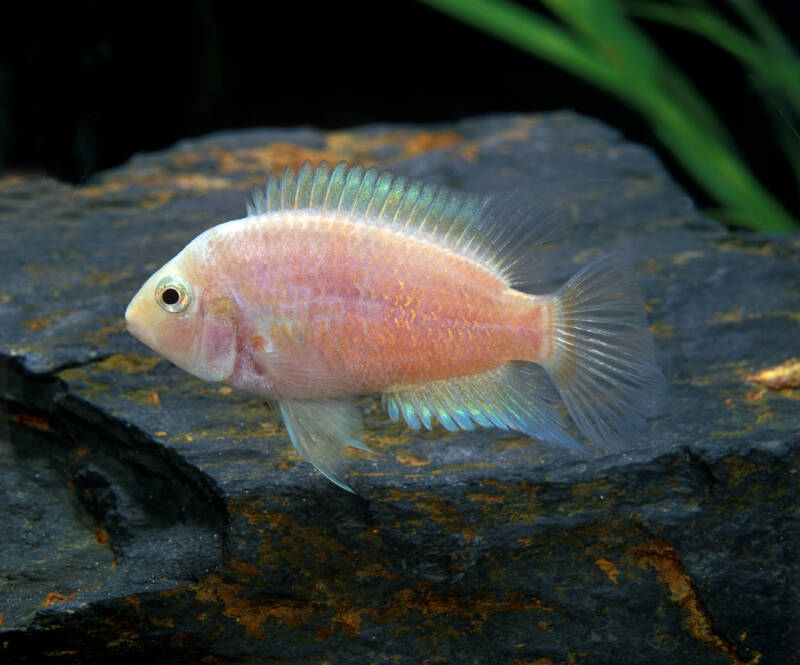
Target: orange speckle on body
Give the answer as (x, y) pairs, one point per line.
(257, 343)
(222, 308)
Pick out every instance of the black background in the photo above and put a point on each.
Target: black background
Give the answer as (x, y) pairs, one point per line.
(84, 85)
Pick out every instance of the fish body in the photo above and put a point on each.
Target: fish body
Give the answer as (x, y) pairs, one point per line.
(369, 308)
(344, 281)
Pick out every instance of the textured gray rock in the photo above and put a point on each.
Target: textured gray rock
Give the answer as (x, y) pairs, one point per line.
(146, 515)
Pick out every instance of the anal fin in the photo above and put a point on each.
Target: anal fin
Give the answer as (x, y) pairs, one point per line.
(321, 431)
(511, 397)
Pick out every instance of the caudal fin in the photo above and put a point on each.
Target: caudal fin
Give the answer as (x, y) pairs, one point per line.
(602, 360)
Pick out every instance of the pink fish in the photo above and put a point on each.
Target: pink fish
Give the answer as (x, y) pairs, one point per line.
(347, 281)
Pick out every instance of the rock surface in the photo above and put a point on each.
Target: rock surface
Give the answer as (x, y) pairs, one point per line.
(149, 517)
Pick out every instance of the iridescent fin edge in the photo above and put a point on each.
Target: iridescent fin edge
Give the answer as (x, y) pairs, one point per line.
(510, 397)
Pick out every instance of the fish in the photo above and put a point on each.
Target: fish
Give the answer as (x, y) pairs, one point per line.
(344, 280)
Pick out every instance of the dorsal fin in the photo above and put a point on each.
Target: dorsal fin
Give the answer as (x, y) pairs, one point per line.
(459, 221)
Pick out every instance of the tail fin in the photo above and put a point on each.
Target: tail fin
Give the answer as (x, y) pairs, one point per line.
(602, 358)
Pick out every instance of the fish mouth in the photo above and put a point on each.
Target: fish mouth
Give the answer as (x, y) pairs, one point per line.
(134, 322)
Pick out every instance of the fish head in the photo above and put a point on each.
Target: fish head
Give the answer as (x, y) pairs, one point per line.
(184, 314)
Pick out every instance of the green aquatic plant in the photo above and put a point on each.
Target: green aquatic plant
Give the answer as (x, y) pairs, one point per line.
(598, 41)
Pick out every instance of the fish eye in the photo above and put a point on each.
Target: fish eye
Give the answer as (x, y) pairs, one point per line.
(173, 294)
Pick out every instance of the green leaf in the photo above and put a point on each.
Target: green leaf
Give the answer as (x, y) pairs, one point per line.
(597, 42)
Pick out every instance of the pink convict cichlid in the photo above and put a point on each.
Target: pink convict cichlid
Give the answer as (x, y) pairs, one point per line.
(346, 281)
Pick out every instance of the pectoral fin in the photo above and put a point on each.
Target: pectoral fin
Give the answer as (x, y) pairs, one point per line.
(321, 430)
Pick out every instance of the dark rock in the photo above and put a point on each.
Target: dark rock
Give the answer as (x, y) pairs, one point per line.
(150, 517)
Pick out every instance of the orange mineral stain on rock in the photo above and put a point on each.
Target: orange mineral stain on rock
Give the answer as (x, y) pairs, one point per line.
(134, 601)
(470, 151)
(248, 613)
(52, 598)
(198, 182)
(128, 363)
(125, 634)
(733, 316)
(375, 570)
(659, 555)
(144, 396)
(244, 568)
(685, 257)
(352, 147)
(108, 186)
(161, 185)
(270, 158)
(422, 142)
(411, 460)
(785, 375)
(662, 330)
(31, 421)
(520, 129)
(435, 608)
(433, 507)
(42, 322)
(608, 568)
(738, 470)
(347, 615)
(251, 512)
(485, 497)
